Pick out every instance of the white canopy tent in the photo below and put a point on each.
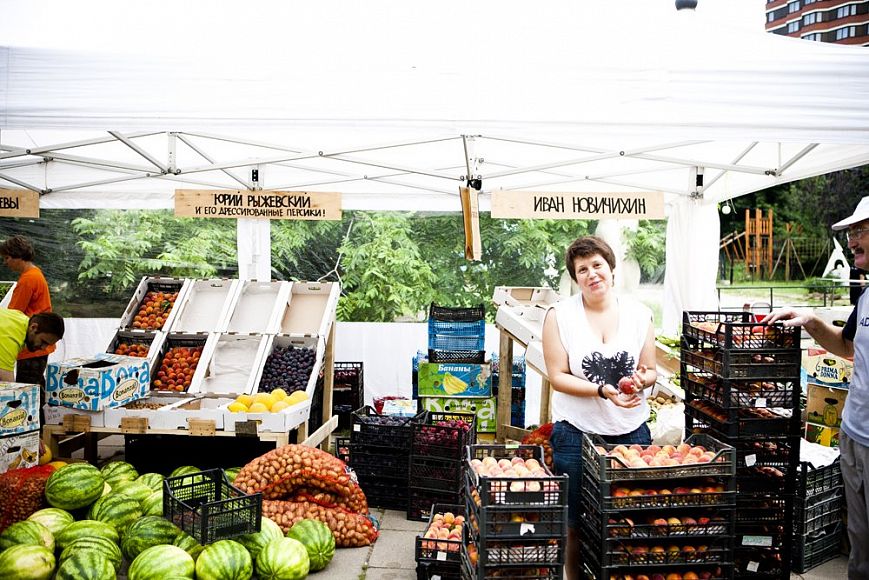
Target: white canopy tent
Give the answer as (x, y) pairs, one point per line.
(392, 103)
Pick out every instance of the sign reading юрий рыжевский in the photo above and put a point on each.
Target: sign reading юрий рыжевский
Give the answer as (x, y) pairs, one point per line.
(21, 203)
(556, 205)
(286, 205)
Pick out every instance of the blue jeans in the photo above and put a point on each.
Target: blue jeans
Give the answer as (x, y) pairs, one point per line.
(566, 442)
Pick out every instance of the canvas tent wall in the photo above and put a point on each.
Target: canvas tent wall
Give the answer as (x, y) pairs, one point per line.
(377, 101)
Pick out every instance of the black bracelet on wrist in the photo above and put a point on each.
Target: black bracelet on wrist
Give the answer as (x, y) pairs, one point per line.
(600, 391)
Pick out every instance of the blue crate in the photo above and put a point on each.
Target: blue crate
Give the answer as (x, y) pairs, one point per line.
(452, 328)
(456, 342)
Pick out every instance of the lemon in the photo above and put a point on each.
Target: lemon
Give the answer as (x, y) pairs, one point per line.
(266, 399)
(245, 400)
(258, 408)
(279, 406)
(237, 407)
(280, 394)
(297, 397)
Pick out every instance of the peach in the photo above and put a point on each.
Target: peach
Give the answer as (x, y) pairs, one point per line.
(674, 521)
(669, 449)
(637, 448)
(532, 463)
(504, 463)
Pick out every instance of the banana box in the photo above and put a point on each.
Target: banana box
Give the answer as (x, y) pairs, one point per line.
(19, 451)
(19, 408)
(484, 408)
(454, 380)
(827, 368)
(826, 436)
(98, 382)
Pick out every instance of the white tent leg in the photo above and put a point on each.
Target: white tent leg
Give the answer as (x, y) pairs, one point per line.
(254, 249)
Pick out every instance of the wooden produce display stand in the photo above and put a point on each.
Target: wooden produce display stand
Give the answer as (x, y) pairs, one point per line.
(238, 323)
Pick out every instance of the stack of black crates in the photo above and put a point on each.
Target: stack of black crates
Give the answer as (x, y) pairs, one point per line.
(348, 394)
(516, 526)
(818, 525)
(742, 386)
(670, 521)
(456, 335)
(379, 453)
(437, 461)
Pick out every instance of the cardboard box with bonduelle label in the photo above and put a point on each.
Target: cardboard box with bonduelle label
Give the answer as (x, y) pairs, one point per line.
(104, 380)
(823, 367)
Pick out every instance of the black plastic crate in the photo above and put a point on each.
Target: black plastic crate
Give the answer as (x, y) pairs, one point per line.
(511, 523)
(639, 553)
(438, 572)
(207, 507)
(760, 562)
(813, 480)
(479, 571)
(373, 465)
(440, 552)
(420, 501)
(764, 514)
(818, 547)
(760, 364)
(375, 430)
(532, 491)
(129, 337)
(342, 449)
(819, 511)
(436, 473)
(456, 314)
(385, 493)
(607, 468)
(704, 417)
(348, 376)
(431, 439)
(470, 356)
(740, 393)
(737, 331)
(593, 568)
(639, 496)
(518, 551)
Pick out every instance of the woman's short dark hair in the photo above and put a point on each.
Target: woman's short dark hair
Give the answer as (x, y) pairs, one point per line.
(588, 246)
(17, 247)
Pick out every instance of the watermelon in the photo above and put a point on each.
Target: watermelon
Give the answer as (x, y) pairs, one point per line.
(55, 519)
(283, 559)
(184, 470)
(26, 532)
(115, 471)
(224, 560)
(133, 489)
(231, 473)
(317, 539)
(189, 544)
(146, 532)
(102, 546)
(74, 486)
(23, 562)
(268, 531)
(153, 504)
(86, 529)
(86, 565)
(152, 480)
(117, 510)
(107, 489)
(157, 562)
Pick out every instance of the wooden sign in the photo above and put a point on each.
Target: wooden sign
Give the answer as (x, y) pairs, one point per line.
(134, 425)
(76, 423)
(471, 219)
(21, 203)
(648, 205)
(272, 205)
(201, 427)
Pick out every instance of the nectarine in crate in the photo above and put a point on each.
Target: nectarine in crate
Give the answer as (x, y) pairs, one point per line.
(737, 331)
(754, 364)
(444, 548)
(513, 475)
(741, 393)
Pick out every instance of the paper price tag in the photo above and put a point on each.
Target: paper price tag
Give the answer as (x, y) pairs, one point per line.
(357, 427)
(526, 529)
(441, 556)
(760, 403)
(757, 541)
(750, 460)
(753, 566)
(435, 577)
(511, 446)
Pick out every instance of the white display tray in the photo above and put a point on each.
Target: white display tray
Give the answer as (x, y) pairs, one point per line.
(145, 285)
(285, 340)
(159, 418)
(205, 408)
(279, 422)
(174, 339)
(54, 415)
(259, 307)
(4, 302)
(154, 340)
(534, 357)
(310, 308)
(230, 365)
(525, 296)
(206, 306)
(523, 322)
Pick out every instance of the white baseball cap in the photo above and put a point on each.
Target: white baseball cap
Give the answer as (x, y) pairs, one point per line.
(860, 214)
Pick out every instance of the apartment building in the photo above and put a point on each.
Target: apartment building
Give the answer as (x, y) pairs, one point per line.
(839, 21)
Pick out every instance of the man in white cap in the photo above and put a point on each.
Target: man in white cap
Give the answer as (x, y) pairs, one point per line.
(851, 340)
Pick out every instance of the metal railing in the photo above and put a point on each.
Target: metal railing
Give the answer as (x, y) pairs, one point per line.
(829, 292)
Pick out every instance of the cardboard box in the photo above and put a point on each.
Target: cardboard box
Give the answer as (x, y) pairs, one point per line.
(206, 306)
(259, 307)
(826, 436)
(827, 368)
(149, 284)
(317, 344)
(153, 408)
(104, 380)
(176, 340)
(230, 365)
(279, 422)
(310, 309)
(19, 408)
(824, 405)
(454, 380)
(54, 415)
(485, 409)
(19, 451)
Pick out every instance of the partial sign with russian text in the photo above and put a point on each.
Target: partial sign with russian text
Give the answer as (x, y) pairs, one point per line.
(558, 205)
(279, 205)
(20, 203)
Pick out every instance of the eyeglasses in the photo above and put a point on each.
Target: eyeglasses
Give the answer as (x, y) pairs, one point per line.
(856, 234)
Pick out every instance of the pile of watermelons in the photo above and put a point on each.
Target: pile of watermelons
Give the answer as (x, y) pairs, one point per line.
(104, 520)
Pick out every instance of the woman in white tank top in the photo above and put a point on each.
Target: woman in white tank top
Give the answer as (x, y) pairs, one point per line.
(590, 342)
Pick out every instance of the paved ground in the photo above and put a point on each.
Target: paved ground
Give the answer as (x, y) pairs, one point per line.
(391, 557)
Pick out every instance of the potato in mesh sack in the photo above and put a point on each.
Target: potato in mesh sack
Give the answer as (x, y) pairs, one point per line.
(350, 529)
(22, 492)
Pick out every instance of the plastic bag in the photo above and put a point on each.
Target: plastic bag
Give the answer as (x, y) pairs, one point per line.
(669, 427)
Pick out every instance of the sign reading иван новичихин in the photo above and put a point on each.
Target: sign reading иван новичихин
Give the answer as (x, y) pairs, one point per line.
(558, 205)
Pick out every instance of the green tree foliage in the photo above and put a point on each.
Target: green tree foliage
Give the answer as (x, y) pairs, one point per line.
(647, 245)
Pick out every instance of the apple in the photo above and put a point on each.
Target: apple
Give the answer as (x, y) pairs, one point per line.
(703, 521)
(533, 463)
(642, 577)
(621, 492)
(658, 577)
(639, 463)
(674, 521)
(690, 575)
(626, 386)
(636, 492)
(683, 448)
(619, 449)
(651, 492)
(674, 576)
(665, 491)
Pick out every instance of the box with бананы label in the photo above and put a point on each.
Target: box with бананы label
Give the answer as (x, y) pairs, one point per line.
(99, 382)
(454, 380)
